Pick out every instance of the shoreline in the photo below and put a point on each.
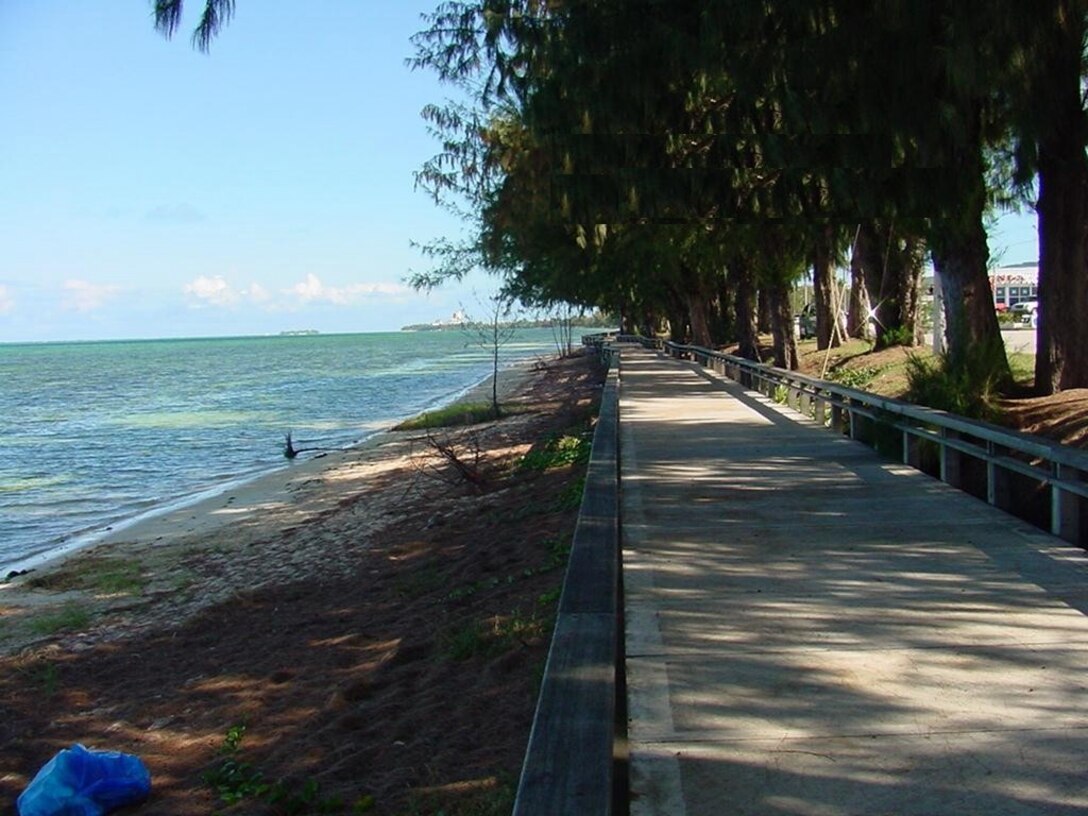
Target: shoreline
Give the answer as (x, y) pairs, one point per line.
(337, 637)
(262, 532)
(209, 508)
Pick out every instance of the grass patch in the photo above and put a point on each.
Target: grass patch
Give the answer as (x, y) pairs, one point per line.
(485, 797)
(103, 576)
(858, 378)
(496, 636)
(123, 578)
(69, 618)
(1023, 368)
(235, 780)
(468, 413)
(558, 451)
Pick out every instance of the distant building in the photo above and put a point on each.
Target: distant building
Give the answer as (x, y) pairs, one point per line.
(1013, 284)
(458, 318)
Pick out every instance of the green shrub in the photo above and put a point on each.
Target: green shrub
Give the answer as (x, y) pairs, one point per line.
(235, 780)
(969, 390)
(854, 377)
(558, 451)
(897, 336)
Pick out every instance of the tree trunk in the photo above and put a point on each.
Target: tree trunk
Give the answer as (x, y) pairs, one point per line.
(906, 266)
(871, 256)
(677, 315)
(971, 321)
(764, 318)
(700, 323)
(891, 265)
(1061, 359)
(696, 301)
(857, 316)
(785, 344)
(823, 292)
(745, 308)
(960, 256)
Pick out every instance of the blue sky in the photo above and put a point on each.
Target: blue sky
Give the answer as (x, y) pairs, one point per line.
(148, 190)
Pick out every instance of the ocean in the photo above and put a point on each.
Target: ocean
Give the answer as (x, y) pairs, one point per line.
(96, 435)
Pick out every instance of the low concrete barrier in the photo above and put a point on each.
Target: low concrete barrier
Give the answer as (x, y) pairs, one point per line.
(569, 767)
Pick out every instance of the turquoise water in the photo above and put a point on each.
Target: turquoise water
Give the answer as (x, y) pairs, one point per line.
(96, 434)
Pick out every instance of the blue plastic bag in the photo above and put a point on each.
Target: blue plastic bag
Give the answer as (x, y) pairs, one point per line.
(78, 782)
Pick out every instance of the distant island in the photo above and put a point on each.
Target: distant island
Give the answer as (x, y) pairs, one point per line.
(459, 320)
(299, 333)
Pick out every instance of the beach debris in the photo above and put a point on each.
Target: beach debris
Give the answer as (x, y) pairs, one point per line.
(82, 782)
(290, 451)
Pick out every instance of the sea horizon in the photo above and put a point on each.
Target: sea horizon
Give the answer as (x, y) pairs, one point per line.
(104, 432)
(294, 333)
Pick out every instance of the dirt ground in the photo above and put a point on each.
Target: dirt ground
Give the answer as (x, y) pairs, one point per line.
(1062, 417)
(393, 670)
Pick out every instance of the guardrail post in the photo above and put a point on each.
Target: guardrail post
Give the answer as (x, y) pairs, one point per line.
(997, 480)
(951, 461)
(806, 403)
(1067, 509)
(836, 418)
(912, 449)
(793, 396)
(820, 412)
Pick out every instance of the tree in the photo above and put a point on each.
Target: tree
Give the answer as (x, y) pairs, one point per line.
(1050, 132)
(216, 15)
(493, 334)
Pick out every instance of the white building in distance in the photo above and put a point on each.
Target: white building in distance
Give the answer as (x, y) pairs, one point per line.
(1013, 284)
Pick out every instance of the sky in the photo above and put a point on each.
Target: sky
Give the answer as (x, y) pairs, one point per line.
(149, 190)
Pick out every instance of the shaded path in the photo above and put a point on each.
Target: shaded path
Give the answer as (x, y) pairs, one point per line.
(814, 630)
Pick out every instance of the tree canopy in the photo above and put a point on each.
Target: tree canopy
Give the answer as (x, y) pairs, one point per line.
(680, 163)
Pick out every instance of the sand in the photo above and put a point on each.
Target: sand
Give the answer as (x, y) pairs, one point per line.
(224, 531)
(376, 624)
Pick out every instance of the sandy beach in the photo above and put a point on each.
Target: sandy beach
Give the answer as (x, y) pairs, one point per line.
(224, 530)
(322, 606)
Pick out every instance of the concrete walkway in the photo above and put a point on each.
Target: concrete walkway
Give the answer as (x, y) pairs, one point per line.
(813, 630)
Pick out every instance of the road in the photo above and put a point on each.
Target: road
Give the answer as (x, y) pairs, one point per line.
(1019, 340)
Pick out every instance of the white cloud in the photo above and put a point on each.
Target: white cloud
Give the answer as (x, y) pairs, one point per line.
(257, 293)
(213, 290)
(313, 290)
(84, 296)
(7, 302)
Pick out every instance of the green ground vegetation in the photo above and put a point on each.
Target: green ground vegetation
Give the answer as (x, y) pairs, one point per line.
(458, 414)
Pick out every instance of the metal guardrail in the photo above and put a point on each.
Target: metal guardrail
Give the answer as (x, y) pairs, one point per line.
(569, 767)
(994, 463)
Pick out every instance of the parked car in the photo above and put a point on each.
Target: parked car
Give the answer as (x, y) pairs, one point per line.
(806, 322)
(1026, 313)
